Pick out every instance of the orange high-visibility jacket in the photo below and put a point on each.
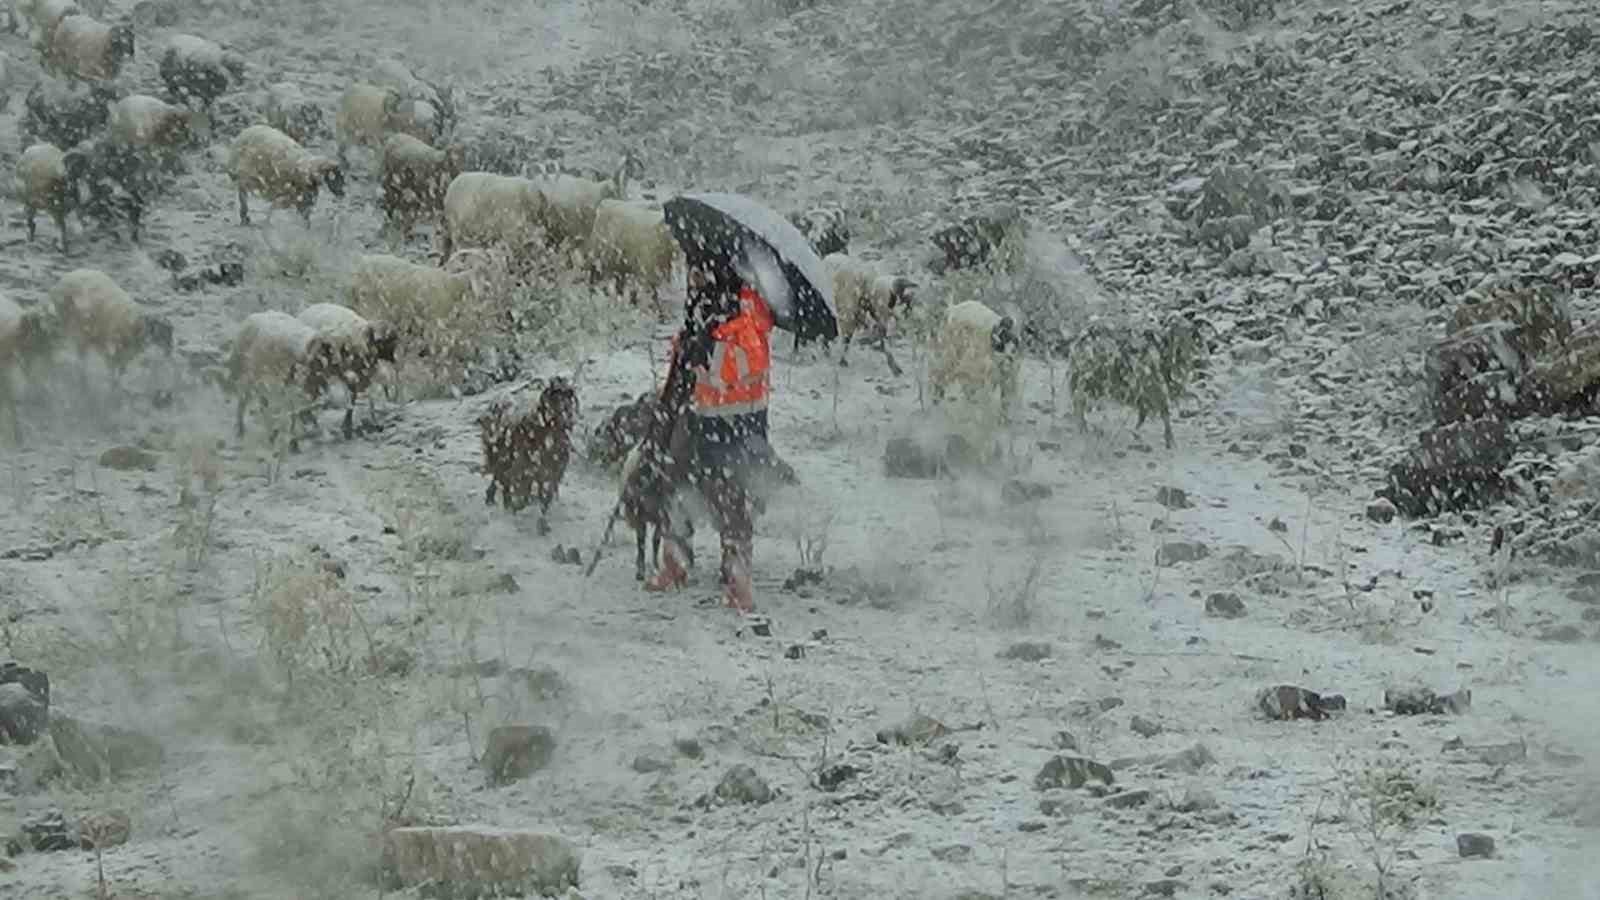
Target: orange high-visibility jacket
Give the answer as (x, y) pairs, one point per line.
(737, 380)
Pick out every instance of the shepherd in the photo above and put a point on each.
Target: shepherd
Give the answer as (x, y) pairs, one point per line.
(749, 270)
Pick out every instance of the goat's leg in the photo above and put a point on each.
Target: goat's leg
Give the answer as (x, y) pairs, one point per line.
(638, 550)
(349, 426)
(238, 419)
(1166, 428)
(488, 494)
(244, 207)
(544, 512)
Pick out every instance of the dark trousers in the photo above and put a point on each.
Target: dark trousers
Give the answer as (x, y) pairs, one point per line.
(725, 452)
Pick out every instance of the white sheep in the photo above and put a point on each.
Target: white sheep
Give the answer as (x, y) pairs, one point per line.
(979, 349)
(289, 110)
(397, 76)
(270, 350)
(143, 122)
(368, 114)
(631, 243)
(265, 161)
(25, 339)
(863, 296)
(353, 347)
(435, 310)
(49, 179)
(570, 204)
(193, 67)
(97, 316)
(486, 210)
(415, 177)
(85, 48)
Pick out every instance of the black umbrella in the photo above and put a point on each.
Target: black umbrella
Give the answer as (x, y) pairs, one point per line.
(769, 250)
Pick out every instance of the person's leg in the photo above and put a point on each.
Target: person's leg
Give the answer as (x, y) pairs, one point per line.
(729, 499)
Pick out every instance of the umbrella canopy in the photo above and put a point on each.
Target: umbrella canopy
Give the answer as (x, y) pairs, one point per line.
(767, 249)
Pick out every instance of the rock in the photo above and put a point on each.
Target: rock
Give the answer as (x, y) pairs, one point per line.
(1018, 491)
(514, 752)
(741, 784)
(649, 762)
(1066, 740)
(1455, 466)
(168, 259)
(128, 459)
(1417, 701)
(1028, 651)
(1562, 634)
(953, 853)
(541, 682)
(688, 748)
(918, 729)
(1181, 552)
(97, 752)
(390, 659)
(23, 715)
(48, 831)
(505, 584)
(1173, 498)
(1144, 727)
(1224, 605)
(1284, 702)
(1190, 760)
(833, 777)
(1471, 845)
(1128, 799)
(111, 828)
(1382, 510)
(972, 241)
(903, 457)
(1071, 772)
(472, 860)
(1196, 799)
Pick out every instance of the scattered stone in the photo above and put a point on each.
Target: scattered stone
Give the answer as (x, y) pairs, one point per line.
(649, 762)
(393, 660)
(1144, 727)
(514, 752)
(1471, 845)
(1278, 525)
(1066, 740)
(1173, 498)
(97, 752)
(505, 584)
(1421, 701)
(1562, 634)
(1030, 826)
(953, 853)
(48, 831)
(1107, 704)
(128, 459)
(741, 784)
(916, 730)
(156, 14)
(903, 457)
(1196, 799)
(1028, 651)
(1284, 702)
(834, 776)
(23, 714)
(1128, 799)
(1071, 772)
(1165, 887)
(688, 748)
(1017, 491)
(1382, 510)
(1224, 605)
(541, 682)
(1454, 466)
(111, 828)
(479, 860)
(1190, 760)
(1059, 806)
(1174, 552)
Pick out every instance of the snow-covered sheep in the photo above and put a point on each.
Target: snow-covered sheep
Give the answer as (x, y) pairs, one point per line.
(397, 76)
(143, 122)
(65, 114)
(270, 350)
(486, 210)
(25, 339)
(265, 161)
(631, 243)
(825, 228)
(97, 316)
(865, 297)
(368, 114)
(415, 178)
(352, 346)
(978, 349)
(119, 180)
(49, 179)
(288, 109)
(527, 446)
(431, 309)
(570, 205)
(194, 68)
(85, 48)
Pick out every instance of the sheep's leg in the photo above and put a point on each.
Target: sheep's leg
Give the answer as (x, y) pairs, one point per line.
(61, 224)
(488, 494)
(638, 555)
(1166, 429)
(238, 418)
(844, 350)
(446, 245)
(244, 207)
(29, 212)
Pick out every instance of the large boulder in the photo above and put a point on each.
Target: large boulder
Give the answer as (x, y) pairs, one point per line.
(1454, 466)
(24, 704)
(95, 753)
(1568, 380)
(480, 860)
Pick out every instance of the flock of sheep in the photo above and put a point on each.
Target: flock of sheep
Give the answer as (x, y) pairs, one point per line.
(93, 150)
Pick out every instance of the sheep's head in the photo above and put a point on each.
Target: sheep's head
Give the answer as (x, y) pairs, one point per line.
(558, 404)
(382, 341)
(903, 294)
(77, 164)
(331, 174)
(455, 162)
(121, 48)
(234, 63)
(158, 333)
(1004, 338)
(391, 102)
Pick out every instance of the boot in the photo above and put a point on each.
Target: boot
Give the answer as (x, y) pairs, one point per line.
(672, 573)
(736, 590)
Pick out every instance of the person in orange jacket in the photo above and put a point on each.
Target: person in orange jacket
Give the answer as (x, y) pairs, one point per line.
(725, 346)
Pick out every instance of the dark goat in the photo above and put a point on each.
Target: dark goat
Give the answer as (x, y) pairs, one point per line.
(119, 181)
(525, 452)
(621, 431)
(60, 113)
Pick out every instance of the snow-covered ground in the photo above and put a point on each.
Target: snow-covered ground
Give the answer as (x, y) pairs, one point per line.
(313, 637)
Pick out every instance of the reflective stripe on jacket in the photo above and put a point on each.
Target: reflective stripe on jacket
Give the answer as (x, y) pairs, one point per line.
(736, 381)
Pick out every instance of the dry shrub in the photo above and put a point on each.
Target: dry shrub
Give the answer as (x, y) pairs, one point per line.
(309, 623)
